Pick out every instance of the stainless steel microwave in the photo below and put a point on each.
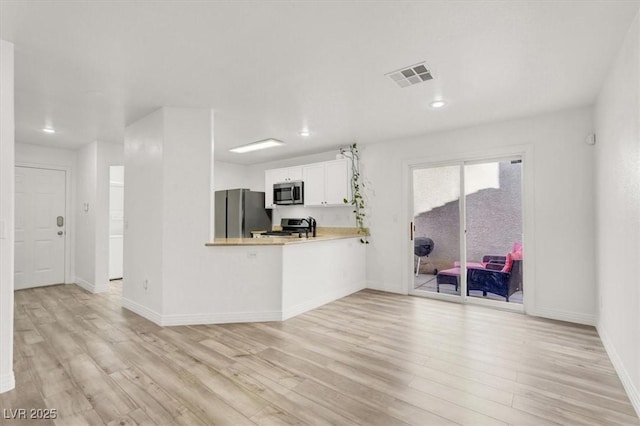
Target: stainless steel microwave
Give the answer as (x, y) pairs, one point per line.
(288, 193)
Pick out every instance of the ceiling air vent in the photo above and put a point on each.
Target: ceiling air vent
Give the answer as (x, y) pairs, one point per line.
(411, 75)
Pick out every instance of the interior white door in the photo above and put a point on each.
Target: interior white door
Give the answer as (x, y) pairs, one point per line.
(40, 227)
(116, 221)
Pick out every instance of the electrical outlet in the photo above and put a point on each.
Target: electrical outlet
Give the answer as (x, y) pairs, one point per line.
(252, 255)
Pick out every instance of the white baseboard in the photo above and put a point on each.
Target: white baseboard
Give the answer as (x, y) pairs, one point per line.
(237, 317)
(386, 287)
(143, 311)
(575, 317)
(197, 319)
(220, 318)
(7, 382)
(322, 300)
(90, 287)
(623, 374)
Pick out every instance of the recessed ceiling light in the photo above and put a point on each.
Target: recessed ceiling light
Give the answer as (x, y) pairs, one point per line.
(437, 104)
(305, 133)
(254, 146)
(48, 130)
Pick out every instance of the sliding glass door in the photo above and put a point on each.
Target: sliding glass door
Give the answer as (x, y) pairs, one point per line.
(436, 221)
(493, 222)
(471, 247)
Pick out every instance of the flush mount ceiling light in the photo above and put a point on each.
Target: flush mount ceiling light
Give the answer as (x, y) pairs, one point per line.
(409, 76)
(437, 104)
(305, 132)
(254, 146)
(48, 130)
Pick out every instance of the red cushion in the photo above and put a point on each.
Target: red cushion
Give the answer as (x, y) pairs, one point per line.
(452, 271)
(508, 264)
(475, 265)
(516, 252)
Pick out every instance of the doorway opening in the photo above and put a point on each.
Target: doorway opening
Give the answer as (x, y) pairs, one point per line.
(116, 222)
(468, 231)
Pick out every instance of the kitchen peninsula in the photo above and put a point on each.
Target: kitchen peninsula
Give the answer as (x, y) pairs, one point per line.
(324, 234)
(293, 275)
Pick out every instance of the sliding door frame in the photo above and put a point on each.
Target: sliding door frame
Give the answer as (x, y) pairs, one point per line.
(523, 152)
(420, 166)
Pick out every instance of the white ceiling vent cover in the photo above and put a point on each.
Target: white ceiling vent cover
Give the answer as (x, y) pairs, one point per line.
(409, 76)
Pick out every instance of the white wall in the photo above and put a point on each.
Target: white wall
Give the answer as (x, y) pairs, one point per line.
(143, 156)
(92, 224)
(7, 176)
(60, 159)
(45, 156)
(562, 217)
(341, 216)
(618, 212)
(231, 176)
(188, 140)
(86, 216)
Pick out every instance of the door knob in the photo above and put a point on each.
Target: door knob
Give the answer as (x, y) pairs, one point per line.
(60, 232)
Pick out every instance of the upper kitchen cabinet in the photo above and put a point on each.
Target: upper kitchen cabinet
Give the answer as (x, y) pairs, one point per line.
(313, 177)
(326, 183)
(338, 182)
(288, 174)
(272, 176)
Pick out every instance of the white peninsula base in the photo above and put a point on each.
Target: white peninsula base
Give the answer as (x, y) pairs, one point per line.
(260, 282)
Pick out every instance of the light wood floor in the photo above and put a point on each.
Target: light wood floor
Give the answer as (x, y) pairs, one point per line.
(370, 358)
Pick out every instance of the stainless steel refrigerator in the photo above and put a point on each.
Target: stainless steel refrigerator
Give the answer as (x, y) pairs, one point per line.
(240, 211)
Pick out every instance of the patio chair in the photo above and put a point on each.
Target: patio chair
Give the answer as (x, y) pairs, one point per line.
(501, 281)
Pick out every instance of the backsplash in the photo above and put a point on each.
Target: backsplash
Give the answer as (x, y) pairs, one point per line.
(341, 216)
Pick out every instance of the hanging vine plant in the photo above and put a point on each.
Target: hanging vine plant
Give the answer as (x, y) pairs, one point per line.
(357, 187)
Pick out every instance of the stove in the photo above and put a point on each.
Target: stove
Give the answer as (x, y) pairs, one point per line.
(291, 227)
(277, 233)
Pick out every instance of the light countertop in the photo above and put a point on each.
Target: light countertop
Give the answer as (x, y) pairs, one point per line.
(323, 234)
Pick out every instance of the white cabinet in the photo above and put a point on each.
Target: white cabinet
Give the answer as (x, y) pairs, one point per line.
(326, 184)
(287, 175)
(272, 176)
(269, 179)
(337, 182)
(313, 177)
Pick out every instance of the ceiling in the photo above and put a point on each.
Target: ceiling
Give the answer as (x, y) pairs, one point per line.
(269, 69)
